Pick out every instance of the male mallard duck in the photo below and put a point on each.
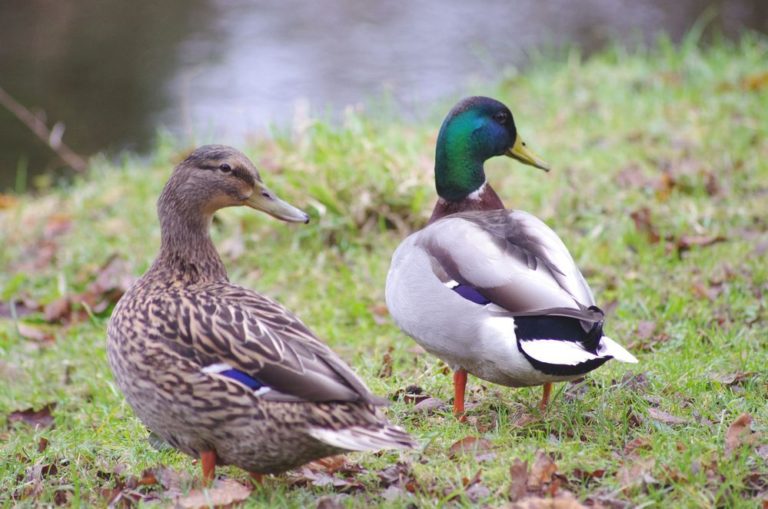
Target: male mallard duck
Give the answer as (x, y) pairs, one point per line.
(493, 292)
(219, 371)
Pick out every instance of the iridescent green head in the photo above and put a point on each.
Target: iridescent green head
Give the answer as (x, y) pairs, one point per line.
(475, 130)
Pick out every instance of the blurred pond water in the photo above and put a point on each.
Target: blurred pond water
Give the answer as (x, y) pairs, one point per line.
(114, 72)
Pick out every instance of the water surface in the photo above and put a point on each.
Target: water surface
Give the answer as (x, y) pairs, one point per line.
(114, 72)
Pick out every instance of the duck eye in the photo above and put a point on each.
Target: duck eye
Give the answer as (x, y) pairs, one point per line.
(225, 168)
(501, 117)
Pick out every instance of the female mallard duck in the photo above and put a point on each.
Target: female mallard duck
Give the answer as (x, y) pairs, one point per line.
(493, 292)
(219, 371)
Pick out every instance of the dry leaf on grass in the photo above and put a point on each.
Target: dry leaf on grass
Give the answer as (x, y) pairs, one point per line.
(636, 472)
(755, 82)
(563, 500)
(518, 475)
(34, 333)
(323, 473)
(429, 405)
(470, 445)
(644, 224)
(385, 371)
(739, 434)
(223, 493)
(686, 242)
(328, 502)
(662, 416)
(109, 283)
(731, 379)
(542, 470)
(635, 444)
(42, 418)
(18, 308)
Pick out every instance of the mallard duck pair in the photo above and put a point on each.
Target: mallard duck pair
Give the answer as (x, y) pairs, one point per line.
(230, 376)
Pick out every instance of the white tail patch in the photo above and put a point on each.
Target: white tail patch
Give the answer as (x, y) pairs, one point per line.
(615, 350)
(558, 352)
(361, 439)
(569, 353)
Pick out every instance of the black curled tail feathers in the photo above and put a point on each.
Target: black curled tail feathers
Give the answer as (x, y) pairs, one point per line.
(592, 339)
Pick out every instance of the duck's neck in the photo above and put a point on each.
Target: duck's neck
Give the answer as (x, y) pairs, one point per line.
(484, 198)
(187, 253)
(459, 172)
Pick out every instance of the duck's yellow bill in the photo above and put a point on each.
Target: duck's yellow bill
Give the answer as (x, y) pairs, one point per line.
(523, 154)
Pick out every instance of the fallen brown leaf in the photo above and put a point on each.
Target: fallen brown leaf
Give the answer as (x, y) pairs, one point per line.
(542, 470)
(686, 242)
(664, 186)
(733, 378)
(57, 224)
(585, 476)
(37, 418)
(395, 475)
(112, 280)
(18, 308)
(223, 493)
(645, 329)
(755, 82)
(34, 333)
(469, 445)
(662, 416)
(632, 176)
(429, 405)
(328, 502)
(518, 474)
(523, 418)
(563, 500)
(57, 309)
(739, 433)
(385, 371)
(644, 224)
(636, 472)
(635, 444)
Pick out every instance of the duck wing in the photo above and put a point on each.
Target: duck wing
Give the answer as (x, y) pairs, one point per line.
(512, 259)
(249, 338)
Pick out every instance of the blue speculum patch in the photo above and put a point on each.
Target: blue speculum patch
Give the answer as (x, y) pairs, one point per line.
(471, 294)
(244, 379)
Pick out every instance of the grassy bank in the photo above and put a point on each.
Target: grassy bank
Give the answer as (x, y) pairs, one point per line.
(659, 188)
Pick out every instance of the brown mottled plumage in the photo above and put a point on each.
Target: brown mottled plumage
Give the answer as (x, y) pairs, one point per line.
(219, 371)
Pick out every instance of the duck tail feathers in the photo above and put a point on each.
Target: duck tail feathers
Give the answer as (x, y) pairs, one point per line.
(359, 438)
(609, 347)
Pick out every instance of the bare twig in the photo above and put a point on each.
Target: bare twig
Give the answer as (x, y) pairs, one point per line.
(51, 137)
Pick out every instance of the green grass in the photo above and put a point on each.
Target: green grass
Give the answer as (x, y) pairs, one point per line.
(612, 126)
